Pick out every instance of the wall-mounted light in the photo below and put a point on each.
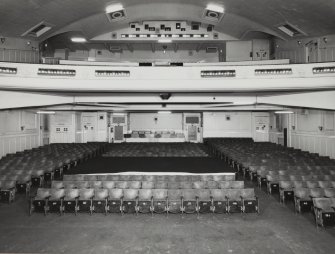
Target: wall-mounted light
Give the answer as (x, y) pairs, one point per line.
(284, 112)
(46, 112)
(164, 41)
(2, 39)
(325, 40)
(320, 128)
(293, 127)
(164, 112)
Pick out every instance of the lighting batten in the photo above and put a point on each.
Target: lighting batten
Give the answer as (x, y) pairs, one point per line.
(284, 112)
(78, 39)
(164, 112)
(216, 8)
(46, 112)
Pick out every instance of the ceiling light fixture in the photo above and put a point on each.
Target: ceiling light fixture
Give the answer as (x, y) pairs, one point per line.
(164, 112)
(214, 7)
(78, 39)
(114, 7)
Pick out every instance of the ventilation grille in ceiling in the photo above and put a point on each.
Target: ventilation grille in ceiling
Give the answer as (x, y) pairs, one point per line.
(38, 30)
(291, 30)
(116, 14)
(213, 13)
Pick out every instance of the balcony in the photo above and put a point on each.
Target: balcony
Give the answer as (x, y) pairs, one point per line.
(198, 77)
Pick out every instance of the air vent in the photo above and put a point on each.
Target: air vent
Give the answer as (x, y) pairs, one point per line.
(273, 71)
(211, 49)
(144, 64)
(115, 49)
(192, 120)
(291, 30)
(103, 73)
(7, 70)
(56, 72)
(218, 73)
(118, 120)
(324, 70)
(38, 30)
(176, 64)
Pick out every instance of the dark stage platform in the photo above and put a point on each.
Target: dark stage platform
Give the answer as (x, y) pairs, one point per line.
(156, 164)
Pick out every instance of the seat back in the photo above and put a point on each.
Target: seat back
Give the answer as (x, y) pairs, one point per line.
(224, 184)
(56, 194)
(285, 185)
(108, 184)
(42, 193)
(324, 184)
(82, 184)
(69, 185)
(236, 184)
(211, 185)
(203, 194)
(173, 185)
(323, 203)
(175, 194)
(145, 194)
(115, 194)
(148, 185)
(71, 194)
(317, 193)
(86, 194)
(234, 194)
(312, 184)
(130, 194)
(189, 194)
(96, 184)
(134, 184)
(218, 194)
(329, 192)
(186, 185)
(161, 185)
(302, 193)
(248, 193)
(121, 185)
(198, 185)
(57, 184)
(100, 194)
(159, 194)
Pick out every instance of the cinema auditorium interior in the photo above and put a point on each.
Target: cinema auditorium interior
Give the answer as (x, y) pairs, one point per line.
(175, 126)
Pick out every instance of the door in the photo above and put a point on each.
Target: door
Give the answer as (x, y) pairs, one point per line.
(192, 133)
(118, 133)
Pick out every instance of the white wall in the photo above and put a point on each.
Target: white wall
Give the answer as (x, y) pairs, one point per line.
(19, 130)
(146, 121)
(217, 125)
(238, 51)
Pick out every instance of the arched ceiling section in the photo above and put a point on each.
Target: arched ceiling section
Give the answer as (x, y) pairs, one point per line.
(312, 17)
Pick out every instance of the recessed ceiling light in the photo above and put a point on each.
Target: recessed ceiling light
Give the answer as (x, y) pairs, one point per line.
(78, 39)
(114, 7)
(214, 7)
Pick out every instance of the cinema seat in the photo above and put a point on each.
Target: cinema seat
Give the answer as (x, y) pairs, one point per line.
(236, 184)
(37, 203)
(174, 185)
(108, 184)
(85, 200)
(115, 200)
(70, 201)
(211, 185)
(224, 184)
(129, 203)
(145, 201)
(323, 211)
(234, 200)
(23, 184)
(134, 184)
(7, 191)
(57, 185)
(82, 184)
(312, 184)
(250, 203)
(37, 177)
(316, 193)
(204, 201)
(219, 200)
(190, 204)
(302, 200)
(54, 203)
(161, 185)
(325, 184)
(121, 185)
(70, 185)
(147, 185)
(174, 204)
(99, 202)
(299, 184)
(160, 200)
(285, 190)
(198, 185)
(186, 185)
(329, 192)
(149, 178)
(95, 184)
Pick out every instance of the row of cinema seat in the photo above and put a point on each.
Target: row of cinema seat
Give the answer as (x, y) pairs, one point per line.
(156, 150)
(156, 134)
(293, 173)
(19, 171)
(144, 201)
(148, 185)
(151, 177)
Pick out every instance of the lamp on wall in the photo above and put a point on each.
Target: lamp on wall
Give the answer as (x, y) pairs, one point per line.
(293, 127)
(320, 128)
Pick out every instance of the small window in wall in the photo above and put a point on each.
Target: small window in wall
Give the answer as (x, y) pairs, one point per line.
(66, 129)
(192, 120)
(57, 129)
(101, 117)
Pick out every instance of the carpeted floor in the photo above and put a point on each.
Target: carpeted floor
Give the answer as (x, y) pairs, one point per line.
(196, 165)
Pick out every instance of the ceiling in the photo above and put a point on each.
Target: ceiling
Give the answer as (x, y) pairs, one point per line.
(241, 16)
